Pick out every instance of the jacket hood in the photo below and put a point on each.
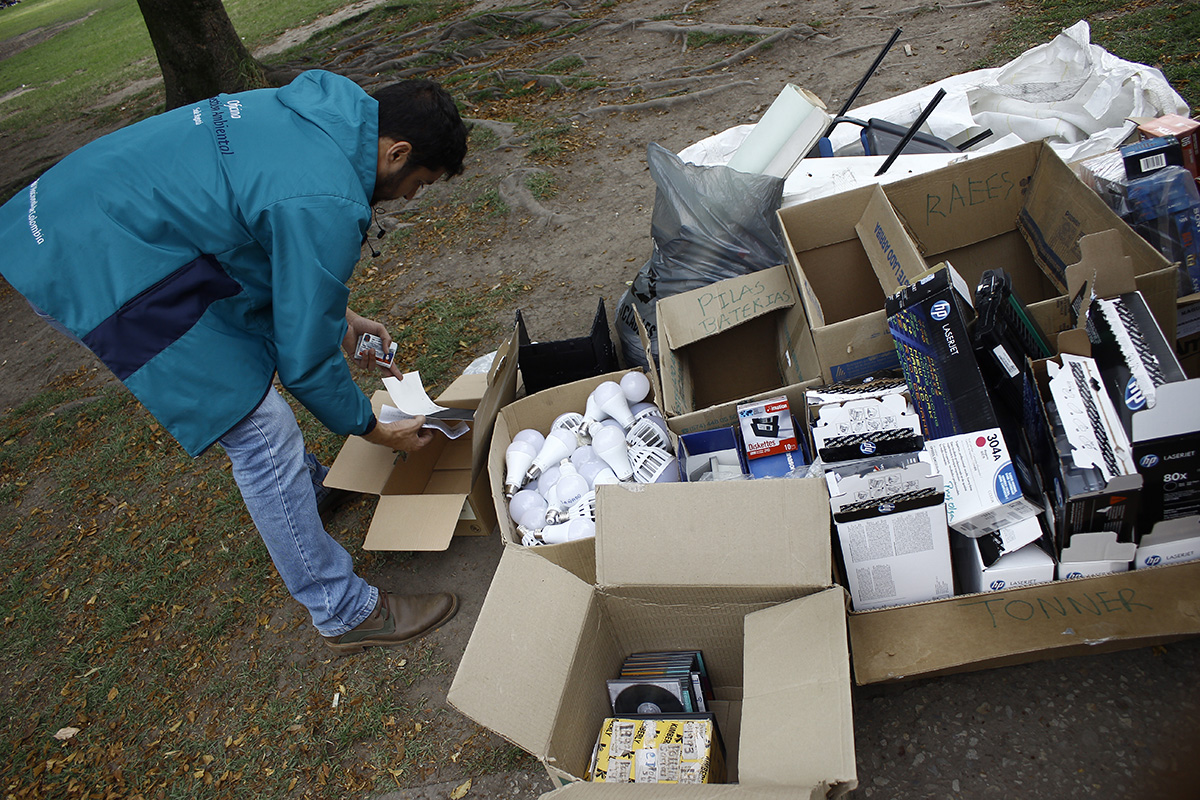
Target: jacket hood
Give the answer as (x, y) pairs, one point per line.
(340, 107)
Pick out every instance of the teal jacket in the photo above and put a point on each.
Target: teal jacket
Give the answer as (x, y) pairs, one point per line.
(201, 251)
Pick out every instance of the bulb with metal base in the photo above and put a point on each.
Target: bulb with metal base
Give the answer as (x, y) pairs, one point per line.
(571, 486)
(559, 446)
(574, 422)
(610, 445)
(611, 400)
(517, 459)
(531, 435)
(583, 508)
(569, 531)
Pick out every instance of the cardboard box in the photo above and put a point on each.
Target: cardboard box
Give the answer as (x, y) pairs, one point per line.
(441, 490)
(1006, 541)
(891, 526)
(862, 418)
(929, 322)
(1025, 566)
(1023, 209)
(772, 634)
(971, 632)
(846, 252)
(740, 339)
(665, 750)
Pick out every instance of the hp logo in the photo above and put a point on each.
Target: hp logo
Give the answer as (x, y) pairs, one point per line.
(1133, 395)
(867, 448)
(1153, 561)
(1149, 460)
(996, 585)
(1071, 575)
(940, 310)
(887, 508)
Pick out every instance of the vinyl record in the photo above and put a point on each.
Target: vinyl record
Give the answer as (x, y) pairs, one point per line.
(646, 698)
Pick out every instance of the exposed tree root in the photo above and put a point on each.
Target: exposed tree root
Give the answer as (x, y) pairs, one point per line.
(661, 103)
(516, 194)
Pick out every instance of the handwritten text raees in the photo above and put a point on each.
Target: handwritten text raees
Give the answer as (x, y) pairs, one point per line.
(969, 192)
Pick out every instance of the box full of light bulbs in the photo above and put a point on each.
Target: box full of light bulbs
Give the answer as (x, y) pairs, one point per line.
(440, 491)
(668, 576)
(578, 437)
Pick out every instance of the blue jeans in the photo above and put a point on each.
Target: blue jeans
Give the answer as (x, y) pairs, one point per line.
(281, 485)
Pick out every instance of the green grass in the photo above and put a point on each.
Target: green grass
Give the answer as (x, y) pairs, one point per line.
(1164, 34)
(107, 50)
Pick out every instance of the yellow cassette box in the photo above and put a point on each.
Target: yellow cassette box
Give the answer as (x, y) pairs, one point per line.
(658, 751)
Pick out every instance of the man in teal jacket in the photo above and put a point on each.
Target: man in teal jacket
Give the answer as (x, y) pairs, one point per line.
(201, 252)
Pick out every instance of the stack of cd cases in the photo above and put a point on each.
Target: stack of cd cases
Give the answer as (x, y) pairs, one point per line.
(661, 682)
(662, 729)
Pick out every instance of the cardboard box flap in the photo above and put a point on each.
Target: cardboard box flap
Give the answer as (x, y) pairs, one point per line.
(722, 533)
(585, 790)
(1075, 617)
(361, 466)
(522, 660)
(797, 657)
(465, 391)
(893, 256)
(691, 316)
(502, 388)
(414, 522)
(984, 192)
(1103, 263)
(1097, 546)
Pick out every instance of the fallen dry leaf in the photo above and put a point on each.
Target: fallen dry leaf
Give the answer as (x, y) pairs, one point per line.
(63, 734)
(461, 790)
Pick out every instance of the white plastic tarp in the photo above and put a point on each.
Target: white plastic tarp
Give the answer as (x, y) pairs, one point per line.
(1075, 95)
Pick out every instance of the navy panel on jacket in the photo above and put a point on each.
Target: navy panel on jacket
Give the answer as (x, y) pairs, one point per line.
(148, 323)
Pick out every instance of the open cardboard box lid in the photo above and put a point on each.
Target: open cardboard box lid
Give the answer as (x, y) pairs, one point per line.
(691, 316)
(423, 494)
(756, 533)
(540, 623)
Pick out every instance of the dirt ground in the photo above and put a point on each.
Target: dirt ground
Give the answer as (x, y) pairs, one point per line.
(1093, 726)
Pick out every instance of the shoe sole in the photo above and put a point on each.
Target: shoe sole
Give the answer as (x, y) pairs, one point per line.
(358, 647)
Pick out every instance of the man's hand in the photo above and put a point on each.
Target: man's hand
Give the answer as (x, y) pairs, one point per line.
(356, 327)
(406, 434)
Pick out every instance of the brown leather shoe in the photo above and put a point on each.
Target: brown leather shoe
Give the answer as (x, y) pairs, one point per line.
(397, 618)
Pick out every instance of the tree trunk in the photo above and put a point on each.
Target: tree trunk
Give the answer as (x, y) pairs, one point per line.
(199, 52)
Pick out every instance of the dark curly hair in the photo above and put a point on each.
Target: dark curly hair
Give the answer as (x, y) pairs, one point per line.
(423, 114)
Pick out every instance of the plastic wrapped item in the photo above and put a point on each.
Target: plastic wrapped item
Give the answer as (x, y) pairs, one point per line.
(709, 223)
(1164, 207)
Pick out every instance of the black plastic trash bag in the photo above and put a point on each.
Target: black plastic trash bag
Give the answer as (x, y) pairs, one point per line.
(709, 223)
